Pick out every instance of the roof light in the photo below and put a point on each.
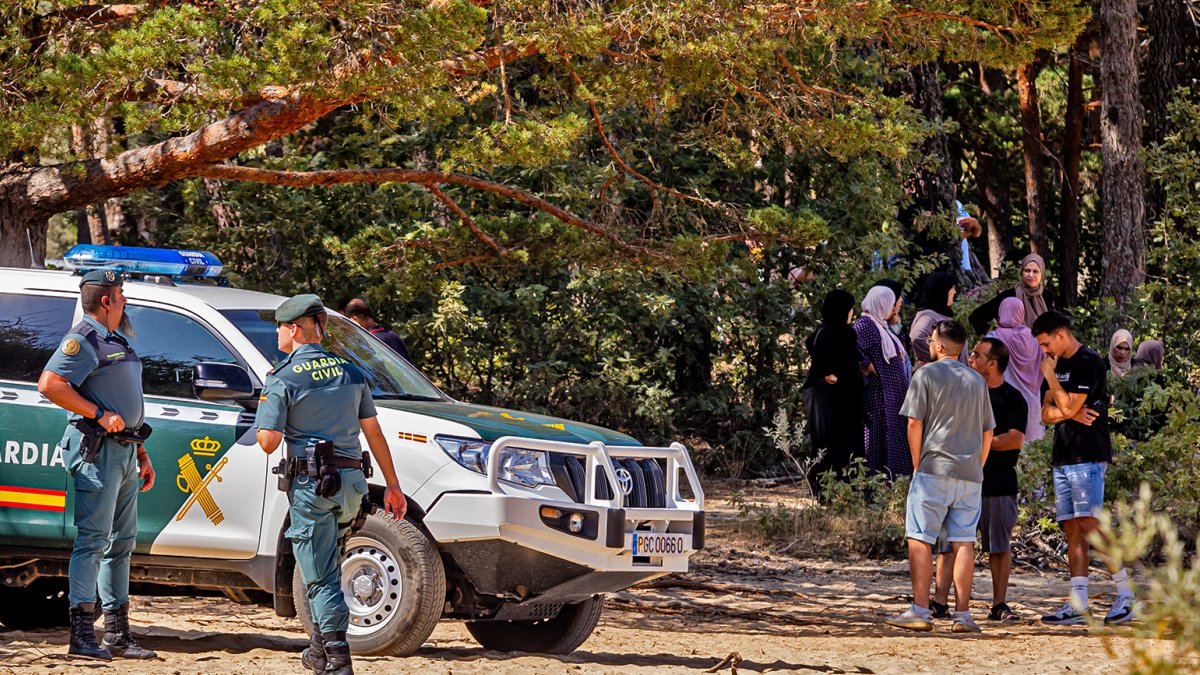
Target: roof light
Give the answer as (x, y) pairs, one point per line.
(141, 260)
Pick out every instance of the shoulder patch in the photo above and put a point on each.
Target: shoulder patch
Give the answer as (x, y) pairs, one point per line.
(70, 346)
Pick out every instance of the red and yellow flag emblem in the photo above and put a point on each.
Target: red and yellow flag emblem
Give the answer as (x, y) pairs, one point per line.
(14, 497)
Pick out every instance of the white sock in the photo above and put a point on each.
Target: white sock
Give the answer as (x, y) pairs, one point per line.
(1079, 593)
(922, 611)
(1122, 580)
(965, 613)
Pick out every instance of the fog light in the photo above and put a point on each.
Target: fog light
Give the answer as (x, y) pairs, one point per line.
(575, 522)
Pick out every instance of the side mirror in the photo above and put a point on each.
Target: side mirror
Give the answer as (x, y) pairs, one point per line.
(221, 382)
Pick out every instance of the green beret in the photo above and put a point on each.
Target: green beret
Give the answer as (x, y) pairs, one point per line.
(297, 306)
(102, 278)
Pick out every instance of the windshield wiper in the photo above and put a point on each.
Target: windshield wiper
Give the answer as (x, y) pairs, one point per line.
(404, 397)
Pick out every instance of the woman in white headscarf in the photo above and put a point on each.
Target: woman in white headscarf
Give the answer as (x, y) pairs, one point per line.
(887, 373)
(1120, 353)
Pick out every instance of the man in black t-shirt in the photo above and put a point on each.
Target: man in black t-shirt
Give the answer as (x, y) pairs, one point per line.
(998, 514)
(1075, 400)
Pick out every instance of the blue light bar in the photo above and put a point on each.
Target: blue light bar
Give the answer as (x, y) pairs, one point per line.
(144, 260)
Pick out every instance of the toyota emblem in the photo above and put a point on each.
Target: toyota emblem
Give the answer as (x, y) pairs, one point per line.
(626, 480)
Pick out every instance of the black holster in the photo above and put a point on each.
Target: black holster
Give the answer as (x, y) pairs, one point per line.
(92, 435)
(286, 470)
(323, 470)
(91, 439)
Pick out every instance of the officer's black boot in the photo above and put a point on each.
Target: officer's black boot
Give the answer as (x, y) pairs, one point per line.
(313, 657)
(337, 657)
(83, 633)
(117, 638)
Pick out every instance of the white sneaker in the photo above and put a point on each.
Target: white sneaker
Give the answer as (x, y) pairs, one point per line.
(1122, 611)
(1065, 616)
(910, 620)
(963, 623)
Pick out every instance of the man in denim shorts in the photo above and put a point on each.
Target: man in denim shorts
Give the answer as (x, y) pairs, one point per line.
(989, 358)
(1075, 400)
(949, 433)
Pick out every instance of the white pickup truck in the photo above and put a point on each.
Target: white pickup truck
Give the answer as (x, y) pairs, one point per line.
(518, 523)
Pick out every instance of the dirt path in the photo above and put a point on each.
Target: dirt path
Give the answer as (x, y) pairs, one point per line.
(776, 613)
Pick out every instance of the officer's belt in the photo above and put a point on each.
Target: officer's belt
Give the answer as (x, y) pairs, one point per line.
(346, 462)
(337, 460)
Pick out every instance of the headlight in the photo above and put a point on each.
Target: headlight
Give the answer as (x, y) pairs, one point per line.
(470, 453)
(526, 467)
(517, 465)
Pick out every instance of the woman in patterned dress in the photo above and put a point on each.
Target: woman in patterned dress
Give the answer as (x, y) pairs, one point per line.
(887, 372)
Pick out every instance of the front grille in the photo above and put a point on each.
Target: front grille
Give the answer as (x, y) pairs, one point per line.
(649, 481)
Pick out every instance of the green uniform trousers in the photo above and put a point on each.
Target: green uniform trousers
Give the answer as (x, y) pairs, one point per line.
(105, 514)
(318, 524)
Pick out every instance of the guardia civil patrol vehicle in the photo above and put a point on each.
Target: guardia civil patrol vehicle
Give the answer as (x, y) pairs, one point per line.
(517, 524)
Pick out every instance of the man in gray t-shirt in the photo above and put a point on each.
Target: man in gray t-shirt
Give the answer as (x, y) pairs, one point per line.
(949, 432)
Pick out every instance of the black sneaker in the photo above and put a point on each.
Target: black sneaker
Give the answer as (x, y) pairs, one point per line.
(938, 610)
(1002, 612)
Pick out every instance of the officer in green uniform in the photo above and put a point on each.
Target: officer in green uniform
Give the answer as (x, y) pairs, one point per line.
(95, 375)
(311, 397)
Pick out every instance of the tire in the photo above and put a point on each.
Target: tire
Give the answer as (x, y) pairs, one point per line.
(386, 553)
(42, 604)
(561, 635)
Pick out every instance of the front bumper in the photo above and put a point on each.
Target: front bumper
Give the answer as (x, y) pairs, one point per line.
(508, 547)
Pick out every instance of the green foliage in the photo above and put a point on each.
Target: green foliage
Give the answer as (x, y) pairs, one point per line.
(860, 512)
(1169, 592)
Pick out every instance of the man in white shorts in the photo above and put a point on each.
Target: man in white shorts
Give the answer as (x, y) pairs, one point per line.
(949, 433)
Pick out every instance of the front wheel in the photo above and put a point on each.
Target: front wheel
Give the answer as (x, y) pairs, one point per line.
(561, 635)
(394, 585)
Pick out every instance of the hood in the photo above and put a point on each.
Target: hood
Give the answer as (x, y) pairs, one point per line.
(493, 423)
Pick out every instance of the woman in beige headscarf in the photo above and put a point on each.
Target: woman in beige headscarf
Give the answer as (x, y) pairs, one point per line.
(1030, 291)
(1120, 353)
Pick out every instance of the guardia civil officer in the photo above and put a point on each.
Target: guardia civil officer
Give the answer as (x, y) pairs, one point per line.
(96, 376)
(318, 403)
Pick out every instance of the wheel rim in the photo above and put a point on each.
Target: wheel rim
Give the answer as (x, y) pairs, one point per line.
(372, 584)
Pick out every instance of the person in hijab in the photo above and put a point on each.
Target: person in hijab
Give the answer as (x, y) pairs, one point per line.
(933, 305)
(1150, 353)
(894, 321)
(833, 390)
(1030, 291)
(1120, 352)
(1024, 362)
(887, 374)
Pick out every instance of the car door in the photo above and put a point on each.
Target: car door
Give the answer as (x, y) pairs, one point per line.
(208, 496)
(33, 480)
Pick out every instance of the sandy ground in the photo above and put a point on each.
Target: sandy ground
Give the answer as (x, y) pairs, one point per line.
(742, 609)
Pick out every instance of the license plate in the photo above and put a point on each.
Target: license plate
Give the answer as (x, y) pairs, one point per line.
(657, 545)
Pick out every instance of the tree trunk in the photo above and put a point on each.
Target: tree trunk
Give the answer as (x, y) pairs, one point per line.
(1171, 30)
(1124, 266)
(933, 189)
(1072, 152)
(996, 203)
(1031, 147)
(22, 236)
(999, 214)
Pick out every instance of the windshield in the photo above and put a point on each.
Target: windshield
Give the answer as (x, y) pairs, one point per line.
(389, 375)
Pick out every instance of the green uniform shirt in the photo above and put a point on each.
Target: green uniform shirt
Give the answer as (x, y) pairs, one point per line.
(313, 396)
(103, 368)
